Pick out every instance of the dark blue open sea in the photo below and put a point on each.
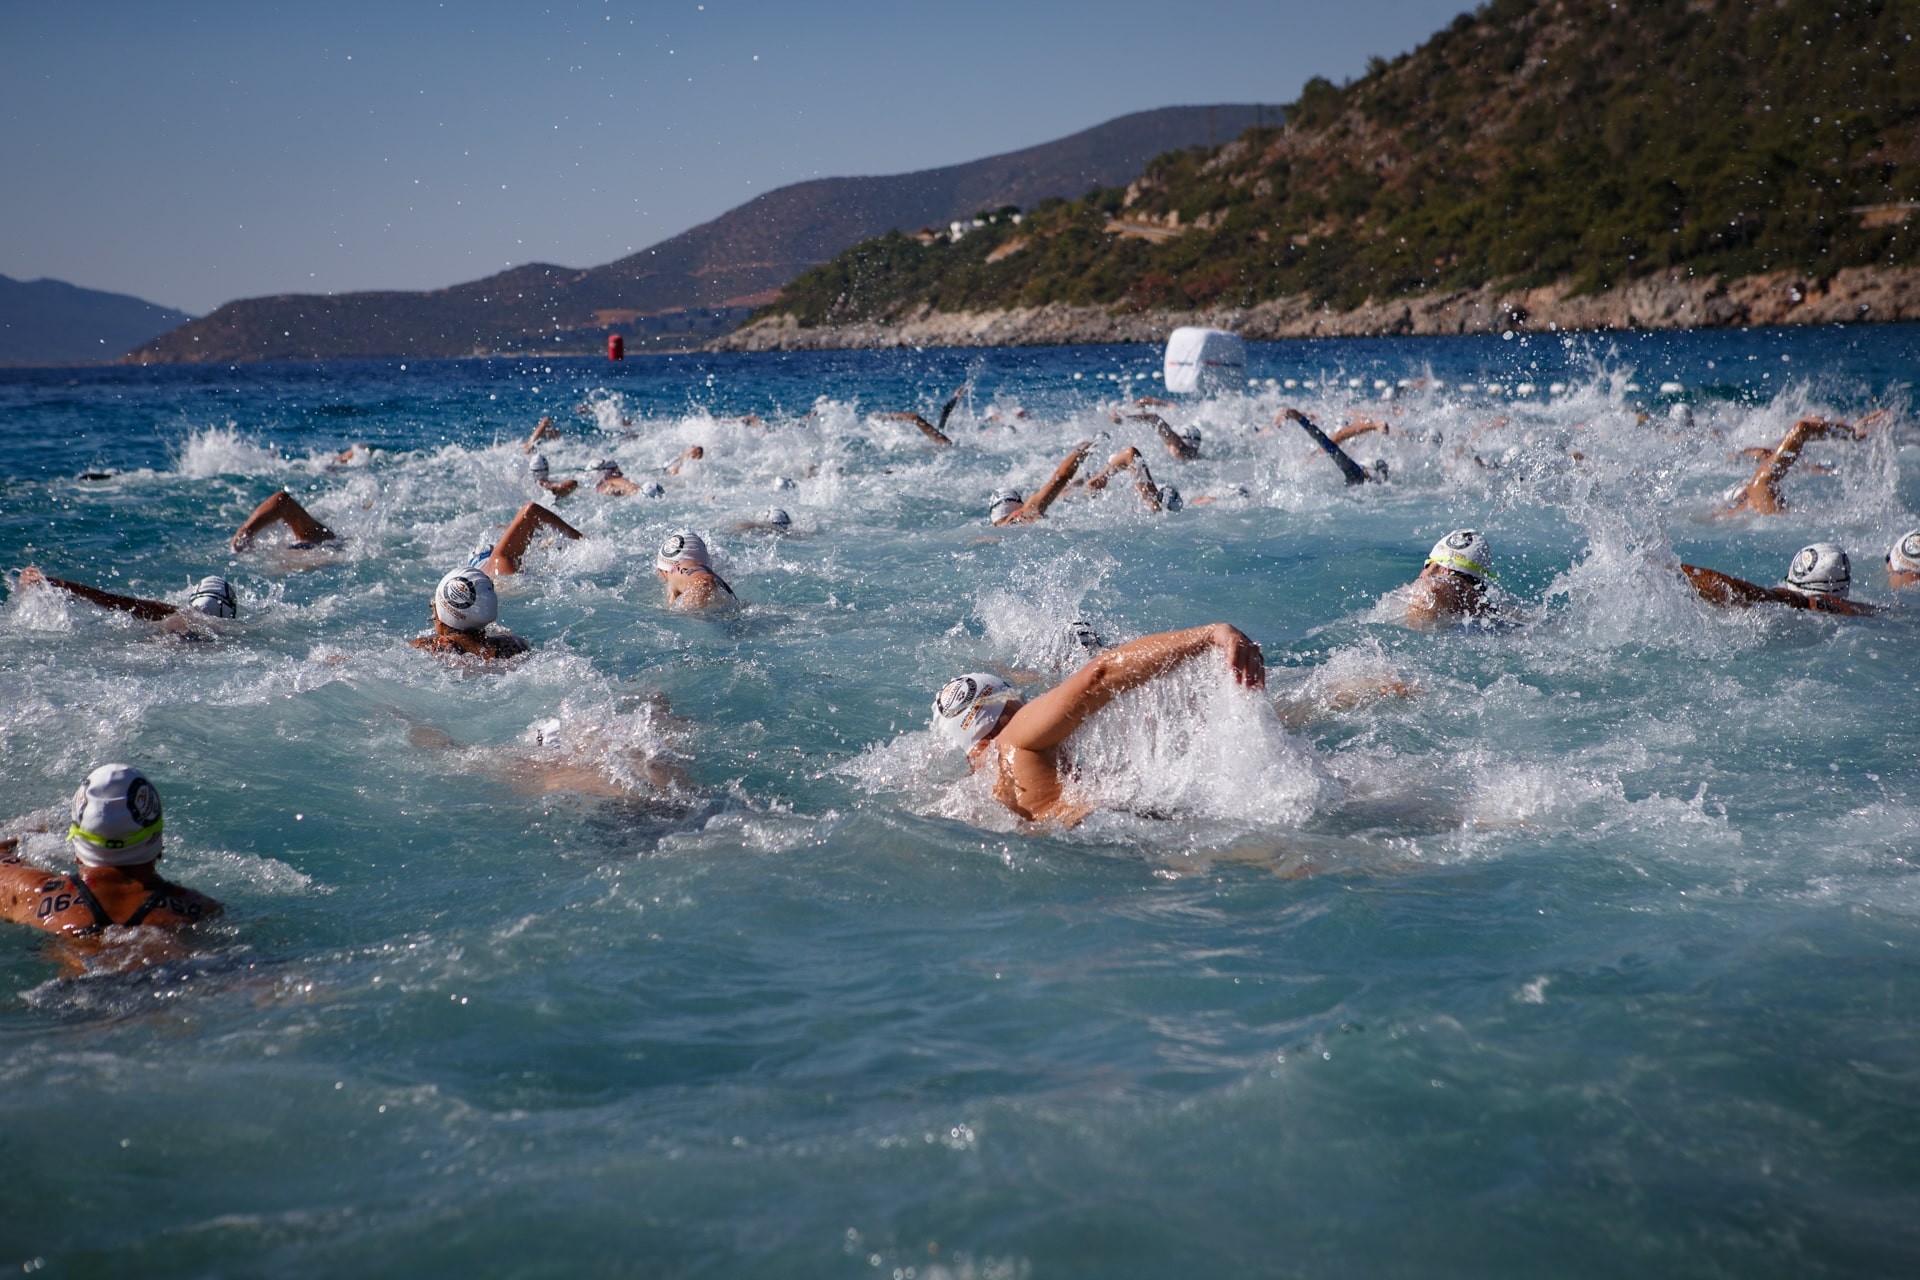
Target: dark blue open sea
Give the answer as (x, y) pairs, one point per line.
(681, 948)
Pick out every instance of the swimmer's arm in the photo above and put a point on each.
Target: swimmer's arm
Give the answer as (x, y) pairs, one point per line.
(542, 430)
(1353, 471)
(513, 543)
(560, 489)
(618, 486)
(946, 410)
(927, 429)
(1118, 462)
(1037, 505)
(1051, 718)
(147, 610)
(282, 507)
(1360, 427)
(692, 453)
(1176, 443)
(1724, 589)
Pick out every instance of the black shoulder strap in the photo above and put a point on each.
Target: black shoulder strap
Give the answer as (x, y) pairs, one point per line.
(100, 917)
(157, 898)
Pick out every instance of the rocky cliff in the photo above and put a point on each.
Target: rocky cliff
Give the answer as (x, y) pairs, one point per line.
(1663, 302)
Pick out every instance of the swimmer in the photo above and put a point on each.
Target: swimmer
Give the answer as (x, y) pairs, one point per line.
(463, 605)
(612, 481)
(1353, 471)
(1009, 508)
(1761, 494)
(1452, 585)
(1026, 742)
(504, 557)
(1818, 578)
(687, 571)
(692, 453)
(539, 471)
(1903, 561)
(212, 596)
(115, 839)
(774, 520)
(281, 508)
(542, 430)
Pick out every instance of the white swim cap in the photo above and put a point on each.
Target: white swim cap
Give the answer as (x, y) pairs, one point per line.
(1170, 499)
(1904, 555)
(1191, 435)
(776, 516)
(1821, 569)
(116, 818)
(607, 467)
(1004, 503)
(538, 466)
(214, 597)
(781, 483)
(653, 489)
(679, 548)
(1463, 551)
(1084, 636)
(970, 707)
(465, 600)
(1680, 414)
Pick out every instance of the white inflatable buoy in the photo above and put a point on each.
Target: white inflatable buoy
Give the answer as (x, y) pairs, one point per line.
(1203, 360)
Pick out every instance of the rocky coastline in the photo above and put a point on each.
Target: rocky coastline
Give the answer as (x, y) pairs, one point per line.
(1676, 301)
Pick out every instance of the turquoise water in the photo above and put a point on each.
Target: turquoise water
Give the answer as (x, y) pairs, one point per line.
(1596, 956)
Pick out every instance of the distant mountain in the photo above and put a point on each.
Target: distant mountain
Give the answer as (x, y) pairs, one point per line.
(700, 282)
(1583, 147)
(48, 322)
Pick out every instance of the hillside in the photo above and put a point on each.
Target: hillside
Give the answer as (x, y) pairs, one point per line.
(698, 283)
(1565, 148)
(50, 322)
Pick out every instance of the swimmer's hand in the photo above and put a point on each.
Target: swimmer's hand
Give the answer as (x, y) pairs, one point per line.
(1242, 654)
(241, 540)
(30, 577)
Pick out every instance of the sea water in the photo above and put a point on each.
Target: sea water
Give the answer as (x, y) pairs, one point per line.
(682, 947)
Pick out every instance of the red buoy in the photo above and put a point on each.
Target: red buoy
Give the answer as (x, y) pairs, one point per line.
(616, 347)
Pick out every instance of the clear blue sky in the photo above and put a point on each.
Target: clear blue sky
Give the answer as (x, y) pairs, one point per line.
(194, 153)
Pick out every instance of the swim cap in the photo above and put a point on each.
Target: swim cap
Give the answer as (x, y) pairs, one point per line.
(607, 467)
(776, 516)
(1680, 414)
(1084, 636)
(680, 548)
(653, 489)
(116, 818)
(465, 600)
(970, 707)
(538, 466)
(1191, 435)
(1821, 569)
(781, 483)
(1463, 551)
(1904, 555)
(1170, 498)
(1004, 503)
(214, 597)
(1378, 470)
